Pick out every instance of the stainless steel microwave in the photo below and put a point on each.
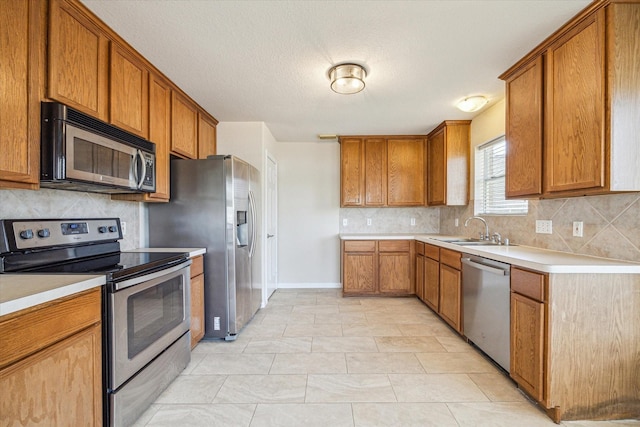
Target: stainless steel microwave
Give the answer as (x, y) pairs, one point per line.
(79, 152)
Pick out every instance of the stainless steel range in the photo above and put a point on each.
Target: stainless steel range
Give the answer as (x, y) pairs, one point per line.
(146, 302)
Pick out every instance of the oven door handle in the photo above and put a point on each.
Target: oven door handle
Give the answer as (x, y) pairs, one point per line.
(146, 277)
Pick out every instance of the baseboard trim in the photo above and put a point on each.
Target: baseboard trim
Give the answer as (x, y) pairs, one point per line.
(328, 285)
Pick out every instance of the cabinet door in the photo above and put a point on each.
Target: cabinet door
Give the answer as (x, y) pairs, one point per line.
(375, 171)
(20, 88)
(78, 60)
(524, 131)
(432, 283)
(197, 309)
(394, 273)
(575, 101)
(159, 132)
(351, 172)
(420, 276)
(206, 136)
(450, 291)
(527, 338)
(129, 92)
(359, 273)
(184, 127)
(61, 385)
(436, 182)
(406, 172)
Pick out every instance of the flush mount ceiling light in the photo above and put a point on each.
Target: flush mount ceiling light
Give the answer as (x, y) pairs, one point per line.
(347, 78)
(472, 103)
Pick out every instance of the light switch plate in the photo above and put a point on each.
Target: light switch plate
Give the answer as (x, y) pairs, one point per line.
(413, 221)
(345, 222)
(543, 226)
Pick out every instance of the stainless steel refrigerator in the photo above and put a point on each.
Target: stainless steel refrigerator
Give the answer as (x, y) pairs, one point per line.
(213, 205)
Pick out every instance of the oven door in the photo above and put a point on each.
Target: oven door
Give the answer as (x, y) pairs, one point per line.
(145, 316)
(94, 158)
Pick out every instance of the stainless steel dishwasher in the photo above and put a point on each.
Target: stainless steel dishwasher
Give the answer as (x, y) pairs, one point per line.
(486, 300)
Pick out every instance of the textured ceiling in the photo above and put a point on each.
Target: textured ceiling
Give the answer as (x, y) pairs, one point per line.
(268, 60)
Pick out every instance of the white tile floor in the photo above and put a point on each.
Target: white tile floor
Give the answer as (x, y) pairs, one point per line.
(313, 358)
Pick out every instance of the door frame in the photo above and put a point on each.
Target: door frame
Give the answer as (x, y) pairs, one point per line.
(271, 255)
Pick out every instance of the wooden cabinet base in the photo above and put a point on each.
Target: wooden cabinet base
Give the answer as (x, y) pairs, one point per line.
(61, 385)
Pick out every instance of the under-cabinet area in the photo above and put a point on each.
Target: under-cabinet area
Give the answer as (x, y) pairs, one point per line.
(550, 299)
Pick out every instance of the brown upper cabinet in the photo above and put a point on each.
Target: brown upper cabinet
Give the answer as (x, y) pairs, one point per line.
(448, 164)
(184, 127)
(573, 105)
(206, 135)
(21, 56)
(377, 171)
(129, 92)
(78, 59)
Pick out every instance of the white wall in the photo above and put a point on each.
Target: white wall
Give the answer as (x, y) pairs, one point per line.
(309, 208)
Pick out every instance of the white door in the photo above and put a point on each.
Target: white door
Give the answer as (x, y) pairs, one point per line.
(272, 225)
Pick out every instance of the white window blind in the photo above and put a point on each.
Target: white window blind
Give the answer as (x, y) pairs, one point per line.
(490, 182)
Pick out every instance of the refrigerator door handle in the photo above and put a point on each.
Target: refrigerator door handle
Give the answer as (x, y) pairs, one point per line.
(252, 208)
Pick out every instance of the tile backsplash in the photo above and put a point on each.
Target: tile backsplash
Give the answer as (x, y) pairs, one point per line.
(611, 225)
(46, 203)
(390, 220)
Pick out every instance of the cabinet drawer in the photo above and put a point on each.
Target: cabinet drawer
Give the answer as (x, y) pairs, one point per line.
(450, 258)
(394, 245)
(359, 245)
(197, 266)
(419, 248)
(39, 327)
(528, 283)
(432, 252)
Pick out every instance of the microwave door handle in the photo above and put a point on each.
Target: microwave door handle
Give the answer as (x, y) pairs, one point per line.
(140, 160)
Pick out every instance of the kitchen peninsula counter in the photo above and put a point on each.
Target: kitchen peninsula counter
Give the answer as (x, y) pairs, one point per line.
(543, 260)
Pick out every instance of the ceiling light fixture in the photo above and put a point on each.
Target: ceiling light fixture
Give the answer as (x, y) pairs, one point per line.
(347, 79)
(472, 103)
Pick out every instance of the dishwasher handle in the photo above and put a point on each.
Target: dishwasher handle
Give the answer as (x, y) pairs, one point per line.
(490, 269)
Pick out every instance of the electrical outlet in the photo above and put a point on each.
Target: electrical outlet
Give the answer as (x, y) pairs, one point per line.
(543, 226)
(413, 221)
(345, 222)
(577, 228)
(123, 225)
(456, 222)
(368, 221)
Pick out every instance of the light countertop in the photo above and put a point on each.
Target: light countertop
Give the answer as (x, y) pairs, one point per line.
(538, 259)
(20, 291)
(192, 251)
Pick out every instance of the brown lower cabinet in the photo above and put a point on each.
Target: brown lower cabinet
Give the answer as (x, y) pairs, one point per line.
(378, 267)
(51, 363)
(197, 300)
(439, 282)
(529, 291)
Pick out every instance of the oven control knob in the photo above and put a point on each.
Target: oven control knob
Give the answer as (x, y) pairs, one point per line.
(102, 229)
(113, 228)
(26, 234)
(44, 233)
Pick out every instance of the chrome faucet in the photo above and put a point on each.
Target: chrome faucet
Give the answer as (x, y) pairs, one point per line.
(484, 236)
(497, 238)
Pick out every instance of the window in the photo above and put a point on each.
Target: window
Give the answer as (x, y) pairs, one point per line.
(490, 182)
